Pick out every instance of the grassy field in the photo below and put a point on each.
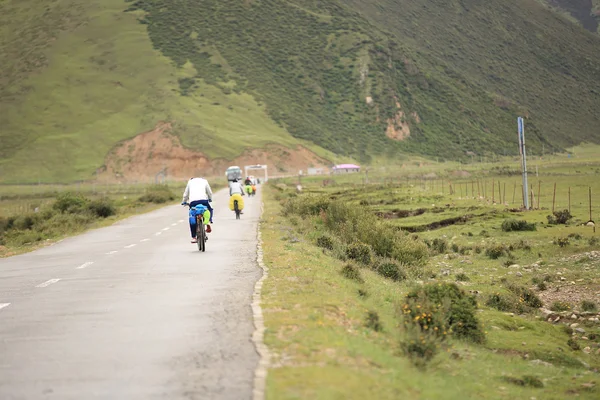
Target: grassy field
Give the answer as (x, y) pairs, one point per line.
(335, 321)
(77, 77)
(39, 215)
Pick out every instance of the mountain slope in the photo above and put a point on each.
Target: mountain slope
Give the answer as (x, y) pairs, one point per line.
(357, 78)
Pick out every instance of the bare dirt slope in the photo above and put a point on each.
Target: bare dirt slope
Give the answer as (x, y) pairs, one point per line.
(143, 156)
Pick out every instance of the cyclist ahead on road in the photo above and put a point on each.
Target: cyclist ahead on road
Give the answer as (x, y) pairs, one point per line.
(197, 192)
(236, 191)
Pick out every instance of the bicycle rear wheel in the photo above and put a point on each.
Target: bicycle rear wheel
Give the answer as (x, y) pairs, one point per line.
(200, 234)
(237, 209)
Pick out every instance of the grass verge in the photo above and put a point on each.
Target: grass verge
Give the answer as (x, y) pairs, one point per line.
(334, 337)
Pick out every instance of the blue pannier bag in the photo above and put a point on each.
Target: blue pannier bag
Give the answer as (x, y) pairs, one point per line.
(197, 210)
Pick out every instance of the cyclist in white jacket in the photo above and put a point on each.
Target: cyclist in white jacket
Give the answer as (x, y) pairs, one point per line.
(196, 192)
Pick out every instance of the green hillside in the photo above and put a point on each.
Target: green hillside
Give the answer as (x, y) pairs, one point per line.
(446, 76)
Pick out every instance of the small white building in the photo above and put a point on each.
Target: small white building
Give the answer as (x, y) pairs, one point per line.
(345, 169)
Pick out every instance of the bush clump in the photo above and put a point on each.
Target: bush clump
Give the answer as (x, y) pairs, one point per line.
(527, 380)
(325, 242)
(559, 217)
(588, 306)
(390, 269)
(443, 309)
(561, 241)
(351, 272)
(561, 306)
(496, 251)
(572, 343)
(526, 295)
(102, 208)
(70, 203)
(513, 225)
(438, 245)
(462, 277)
(372, 321)
(504, 302)
(157, 194)
(360, 252)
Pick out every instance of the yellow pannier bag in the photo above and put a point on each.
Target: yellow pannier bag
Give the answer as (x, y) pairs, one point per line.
(240, 200)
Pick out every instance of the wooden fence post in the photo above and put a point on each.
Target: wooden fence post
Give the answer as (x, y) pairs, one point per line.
(554, 198)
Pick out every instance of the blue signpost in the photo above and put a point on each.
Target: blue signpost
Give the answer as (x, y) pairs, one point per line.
(521, 132)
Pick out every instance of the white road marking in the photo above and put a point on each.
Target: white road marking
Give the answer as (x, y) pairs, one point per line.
(129, 246)
(158, 233)
(87, 264)
(174, 224)
(166, 229)
(144, 240)
(48, 282)
(112, 252)
(181, 220)
(2, 305)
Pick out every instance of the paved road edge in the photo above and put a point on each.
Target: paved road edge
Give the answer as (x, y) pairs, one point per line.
(260, 373)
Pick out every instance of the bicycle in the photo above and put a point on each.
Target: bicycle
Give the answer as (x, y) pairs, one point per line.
(198, 213)
(236, 208)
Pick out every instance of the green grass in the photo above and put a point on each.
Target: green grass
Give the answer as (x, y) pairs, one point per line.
(77, 77)
(315, 317)
(102, 82)
(29, 218)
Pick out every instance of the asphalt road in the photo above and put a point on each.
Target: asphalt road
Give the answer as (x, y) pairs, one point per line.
(133, 311)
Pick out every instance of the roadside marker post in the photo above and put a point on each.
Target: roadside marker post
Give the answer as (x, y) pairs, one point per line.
(521, 133)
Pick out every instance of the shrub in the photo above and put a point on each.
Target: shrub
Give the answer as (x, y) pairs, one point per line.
(561, 241)
(542, 286)
(593, 241)
(20, 238)
(325, 242)
(559, 217)
(589, 306)
(568, 330)
(513, 225)
(527, 380)
(351, 272)
(443, 309)
(70, 203)
(157, 194)
(495, 251)
(462, 277)
(102, 208)
(455, 247)
(391, 269)
(23, 222)
(360, 252)
(572, 343)
(372, 321)
(504, 302)
(575, 236)
(560, 306)
(439, 245)
(526, 295)
(420, 347)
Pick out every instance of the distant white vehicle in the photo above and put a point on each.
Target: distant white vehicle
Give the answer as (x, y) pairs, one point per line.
(233, 172)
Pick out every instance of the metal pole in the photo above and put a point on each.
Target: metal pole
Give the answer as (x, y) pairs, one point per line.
(521, 131)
